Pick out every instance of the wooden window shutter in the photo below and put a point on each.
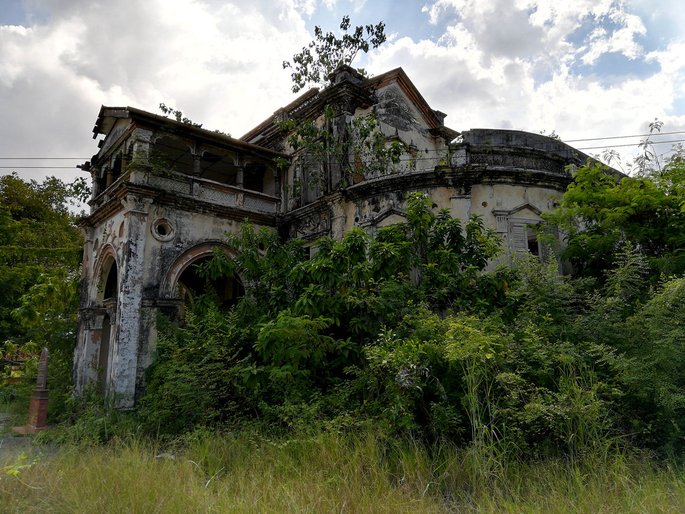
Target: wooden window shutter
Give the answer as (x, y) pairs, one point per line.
(518, 237)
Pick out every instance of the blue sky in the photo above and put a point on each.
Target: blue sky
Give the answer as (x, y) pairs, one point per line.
(583, 68)
(12, 12)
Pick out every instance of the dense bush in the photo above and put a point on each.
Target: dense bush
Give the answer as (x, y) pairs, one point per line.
(40, 254)
(406, 331)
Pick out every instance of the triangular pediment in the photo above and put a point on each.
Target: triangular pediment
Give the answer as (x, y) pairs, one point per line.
(525, 210)
(387, 216)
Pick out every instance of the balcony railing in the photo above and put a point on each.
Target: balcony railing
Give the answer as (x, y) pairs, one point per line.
(198, 188)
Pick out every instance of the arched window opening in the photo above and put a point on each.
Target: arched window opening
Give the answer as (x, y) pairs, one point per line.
(111, 283)
(116, 168)
(225, 290)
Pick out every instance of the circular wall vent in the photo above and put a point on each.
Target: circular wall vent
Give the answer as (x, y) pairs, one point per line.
(162, 229)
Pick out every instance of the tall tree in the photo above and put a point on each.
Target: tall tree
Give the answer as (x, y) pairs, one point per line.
(326, 52)
(601, 211)
(38, 237)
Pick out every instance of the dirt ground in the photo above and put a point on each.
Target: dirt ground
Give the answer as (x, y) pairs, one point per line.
(12, 445)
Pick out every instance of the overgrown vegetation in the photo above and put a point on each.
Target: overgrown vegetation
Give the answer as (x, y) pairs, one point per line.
(405, 330)
(600, 211)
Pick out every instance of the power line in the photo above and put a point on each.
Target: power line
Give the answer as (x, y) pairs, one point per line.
(632, 144)
(603, 138)
(653, 134)
(43, 158)
(39, 168)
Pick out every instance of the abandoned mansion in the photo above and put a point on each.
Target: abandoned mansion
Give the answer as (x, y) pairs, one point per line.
(165, 193)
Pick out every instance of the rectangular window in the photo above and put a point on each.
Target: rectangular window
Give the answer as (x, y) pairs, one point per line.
(523, 237)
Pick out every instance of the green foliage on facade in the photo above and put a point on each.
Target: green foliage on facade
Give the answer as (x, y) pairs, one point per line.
(600, 211)
(405, 331)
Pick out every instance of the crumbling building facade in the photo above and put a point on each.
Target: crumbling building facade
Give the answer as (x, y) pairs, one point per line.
(165, 193)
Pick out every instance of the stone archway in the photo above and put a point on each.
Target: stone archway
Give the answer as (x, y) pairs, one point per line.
(101, 328)
(191, 284)
(184, 281)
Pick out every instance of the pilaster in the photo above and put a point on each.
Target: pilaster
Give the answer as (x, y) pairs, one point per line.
(128, 327)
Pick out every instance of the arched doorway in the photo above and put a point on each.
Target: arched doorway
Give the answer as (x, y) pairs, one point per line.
(108, 292)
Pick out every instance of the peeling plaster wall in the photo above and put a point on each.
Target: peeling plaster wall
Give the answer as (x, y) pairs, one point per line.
(397, 112)
(102, 242)
(487, 198)
(192, 235)
(400, 118)
(143, 258)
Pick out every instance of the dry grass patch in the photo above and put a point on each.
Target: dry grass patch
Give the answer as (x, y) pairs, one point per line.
(326, 473)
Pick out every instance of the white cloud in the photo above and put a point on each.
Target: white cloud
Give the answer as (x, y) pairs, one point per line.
(622, 40)
(514, 65)
(219, 62)
(499, 63)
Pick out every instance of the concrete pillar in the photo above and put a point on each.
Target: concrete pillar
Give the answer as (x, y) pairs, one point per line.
(126, 340)
(197, 154)
(240, 173)
(88, 346)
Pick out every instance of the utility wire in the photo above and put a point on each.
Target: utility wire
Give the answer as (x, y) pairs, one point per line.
(604, 138)
(43, 158)
(653, 134)
(632, 144)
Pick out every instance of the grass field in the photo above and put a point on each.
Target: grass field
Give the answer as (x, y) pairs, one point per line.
(208, 472)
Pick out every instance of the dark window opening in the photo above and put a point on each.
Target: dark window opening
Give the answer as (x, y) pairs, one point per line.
(218, 168)
(170, 155)
(253, 177)
(116, 169)
(101, 181)
(224, 290)
(111, 284)
(533, 244)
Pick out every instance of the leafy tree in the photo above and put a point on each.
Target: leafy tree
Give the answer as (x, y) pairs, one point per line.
(47, 317)
(600, 211)
(327, 52)
(37, 234)
(654, 340)
(40, 253)
(178, 115)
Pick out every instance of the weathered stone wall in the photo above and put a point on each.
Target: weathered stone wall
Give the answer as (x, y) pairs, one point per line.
(148, 241)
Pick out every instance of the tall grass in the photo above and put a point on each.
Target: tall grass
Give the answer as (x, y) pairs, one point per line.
(208, 472)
